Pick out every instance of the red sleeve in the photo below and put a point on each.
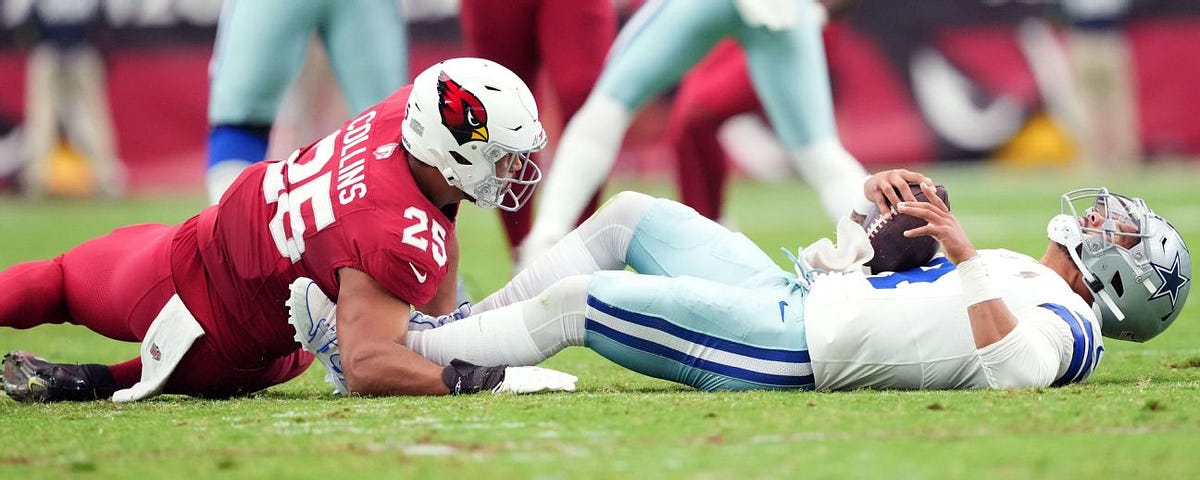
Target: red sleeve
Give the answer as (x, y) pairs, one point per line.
(408, 277)
(392, 251)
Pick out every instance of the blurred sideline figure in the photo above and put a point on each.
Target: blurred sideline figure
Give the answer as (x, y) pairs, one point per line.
(708, 308)
(260, 49)
(529, 37)
(1101, 62)
(368, 211)
(66, 95)
(782, 41)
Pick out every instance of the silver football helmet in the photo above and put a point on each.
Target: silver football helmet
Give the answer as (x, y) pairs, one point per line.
(473, 119)
(1134, 262)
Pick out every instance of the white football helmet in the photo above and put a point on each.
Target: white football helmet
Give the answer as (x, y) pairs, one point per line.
(1138, 290)
(472, 119)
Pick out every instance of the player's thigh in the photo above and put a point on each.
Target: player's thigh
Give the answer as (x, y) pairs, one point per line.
(717, 89)
(672, 239)
(699, 333)
(205, 373)
(653, 306)
(791, 77)
(505, 33)
(116, 284)
(573, 66)
(259, 50)
(367, 45)
(659, 43)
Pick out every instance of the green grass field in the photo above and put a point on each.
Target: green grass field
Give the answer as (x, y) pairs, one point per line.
(1137, 417)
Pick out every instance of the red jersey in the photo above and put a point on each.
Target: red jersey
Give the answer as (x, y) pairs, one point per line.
(347, 200)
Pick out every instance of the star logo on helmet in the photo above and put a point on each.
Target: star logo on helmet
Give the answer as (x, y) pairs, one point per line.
(1172, 281)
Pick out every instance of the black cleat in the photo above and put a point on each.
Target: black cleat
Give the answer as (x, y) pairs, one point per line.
(31, 379)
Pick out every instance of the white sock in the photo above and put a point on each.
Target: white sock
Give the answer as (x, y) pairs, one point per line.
(568, 257)
(833, 173)
(598, 244)
(521, 334)
(582, 162)
(221, 176)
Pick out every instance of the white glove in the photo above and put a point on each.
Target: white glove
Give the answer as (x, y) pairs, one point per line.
(535, 379)
(418, 322)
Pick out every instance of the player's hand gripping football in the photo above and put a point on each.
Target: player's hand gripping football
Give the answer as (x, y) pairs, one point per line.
(890, 187)
(941, 225)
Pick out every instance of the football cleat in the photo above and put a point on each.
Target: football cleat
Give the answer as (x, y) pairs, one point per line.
(314, 317)
(31, 379)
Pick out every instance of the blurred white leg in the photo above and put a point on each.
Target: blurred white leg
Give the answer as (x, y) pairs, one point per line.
(523, 333)
(833, 173)
(582, 162)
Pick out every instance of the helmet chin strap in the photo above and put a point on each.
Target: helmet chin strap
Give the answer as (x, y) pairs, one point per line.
(1064, 230)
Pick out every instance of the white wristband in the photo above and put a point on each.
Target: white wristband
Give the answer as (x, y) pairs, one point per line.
(977, 284)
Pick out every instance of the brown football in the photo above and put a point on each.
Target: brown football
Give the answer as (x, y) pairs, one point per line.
(893, 251)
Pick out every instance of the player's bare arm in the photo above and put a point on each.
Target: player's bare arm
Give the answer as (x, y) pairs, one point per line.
(445, 300)
(371, 338)
(990, 319)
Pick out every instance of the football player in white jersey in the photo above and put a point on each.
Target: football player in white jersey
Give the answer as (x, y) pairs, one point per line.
(709, 309)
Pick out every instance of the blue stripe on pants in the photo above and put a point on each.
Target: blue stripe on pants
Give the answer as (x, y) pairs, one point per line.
(741, 368)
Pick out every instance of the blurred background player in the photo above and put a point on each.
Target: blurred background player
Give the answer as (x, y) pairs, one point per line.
(260, 49)
(785, 54)
(714, 91)
(66, 99)
(529, 37)
(717, 89)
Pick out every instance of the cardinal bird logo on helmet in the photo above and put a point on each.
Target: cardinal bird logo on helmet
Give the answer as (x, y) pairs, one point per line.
(462, 112)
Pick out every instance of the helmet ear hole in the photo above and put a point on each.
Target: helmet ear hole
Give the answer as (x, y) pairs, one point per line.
(1118, 287)
(459, 158)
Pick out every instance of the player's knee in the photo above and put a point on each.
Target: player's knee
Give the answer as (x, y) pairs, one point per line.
(625, 202)
(567, 291)
(625, 208)
(556, 318)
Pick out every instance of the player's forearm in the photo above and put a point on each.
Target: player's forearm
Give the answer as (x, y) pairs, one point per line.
(1011, 358)
(386, 369)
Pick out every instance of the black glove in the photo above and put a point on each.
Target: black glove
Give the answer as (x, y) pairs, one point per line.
(465, 378)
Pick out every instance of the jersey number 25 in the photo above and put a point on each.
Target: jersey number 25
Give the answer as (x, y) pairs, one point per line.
(307, 187)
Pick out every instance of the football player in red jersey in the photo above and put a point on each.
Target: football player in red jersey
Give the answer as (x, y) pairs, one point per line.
(367, 212)
(527, 36)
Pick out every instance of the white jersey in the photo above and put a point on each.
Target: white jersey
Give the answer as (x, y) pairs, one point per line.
(910, 330)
